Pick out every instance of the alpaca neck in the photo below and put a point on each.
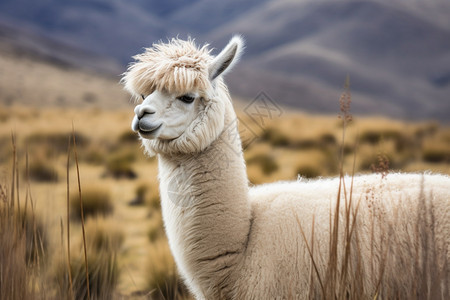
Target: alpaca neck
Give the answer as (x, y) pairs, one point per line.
(206, 212)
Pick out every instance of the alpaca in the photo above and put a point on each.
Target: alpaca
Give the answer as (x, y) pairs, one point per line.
(233, 241)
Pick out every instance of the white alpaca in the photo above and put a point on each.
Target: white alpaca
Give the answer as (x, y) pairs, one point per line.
(234, 242)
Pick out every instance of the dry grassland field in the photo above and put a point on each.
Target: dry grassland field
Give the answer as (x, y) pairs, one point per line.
(128, 253)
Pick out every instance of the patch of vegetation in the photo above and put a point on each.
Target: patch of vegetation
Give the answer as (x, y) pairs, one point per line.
(266, 162)
(274, 137)
(371, 162)
(23, 243)
(128, 136)
(142, 191)
(104, 235)
(119, 165)
(372, 137)
(163, 281)
(5, 149)
(12, 256)
(146, 194)
(308, 171)
(405, 143)
(306, 144)
(156, 228)
(327, 139)
(41, 171)
(35, 231)
(436, 155)
(96, 201)
(93, 156)
(427, 130)
(103, 270)
(57, 142)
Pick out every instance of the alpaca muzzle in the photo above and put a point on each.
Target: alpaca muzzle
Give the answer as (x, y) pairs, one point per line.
(142, 121)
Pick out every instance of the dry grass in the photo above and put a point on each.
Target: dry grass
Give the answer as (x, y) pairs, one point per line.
(96, 201)
(104, 234)
(156, 228)
(120, 165)
(41, 170)
(348, 274)
(22, 239)
(163, 281)
(147, 193)
(103, 272)
(296, 144)
(103, 242)
(14, 271)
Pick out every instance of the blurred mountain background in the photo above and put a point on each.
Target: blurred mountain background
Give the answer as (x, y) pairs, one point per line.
(397, 52)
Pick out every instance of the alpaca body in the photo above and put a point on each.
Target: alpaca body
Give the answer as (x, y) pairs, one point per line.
(388, 213)
(228, 246)
(276, 241)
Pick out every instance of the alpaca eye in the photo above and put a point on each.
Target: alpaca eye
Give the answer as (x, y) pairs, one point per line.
(186, 98)
(143, 97)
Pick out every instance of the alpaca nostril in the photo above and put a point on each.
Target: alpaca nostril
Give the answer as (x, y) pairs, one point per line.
(145, 114)
(142, 110)
(137, 109)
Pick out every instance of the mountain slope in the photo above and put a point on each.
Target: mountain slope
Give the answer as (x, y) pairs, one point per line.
(392, 56)
(114, 28)
(299, 52)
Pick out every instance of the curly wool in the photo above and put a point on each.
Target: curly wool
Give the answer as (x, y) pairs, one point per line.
(177, 67)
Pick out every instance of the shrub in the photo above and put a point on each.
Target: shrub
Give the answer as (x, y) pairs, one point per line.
(405, 144)
(436, 155)
(378, 163)
(103, 235)
(266, 162)
(12, 255)
(308, 171)
(5, 148)
(327, 139)
(128, 136)
(370, 137)
(103, 273)
(163, 280)
(154, 201)
(93, 156)
(275, 137)
(427, 130)
(35, 231)
(156, 228)
(141, 191)
(42, 171)
(58, 142)
(19, 250)
(306, 144)
(120, 165)
(146, 193)
(96, 201)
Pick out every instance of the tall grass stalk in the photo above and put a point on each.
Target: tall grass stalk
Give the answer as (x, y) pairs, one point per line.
(383, 267)
(69, 267)
(81, 212)
(21, 241)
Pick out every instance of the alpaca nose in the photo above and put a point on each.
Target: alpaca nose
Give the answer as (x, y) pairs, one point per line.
(142, 110)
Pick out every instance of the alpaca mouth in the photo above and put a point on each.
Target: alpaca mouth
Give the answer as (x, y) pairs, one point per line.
(148, 131)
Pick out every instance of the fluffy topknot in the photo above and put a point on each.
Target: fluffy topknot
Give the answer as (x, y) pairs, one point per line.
(177, 66)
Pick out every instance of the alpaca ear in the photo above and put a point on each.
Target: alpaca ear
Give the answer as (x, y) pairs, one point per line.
(226, 58)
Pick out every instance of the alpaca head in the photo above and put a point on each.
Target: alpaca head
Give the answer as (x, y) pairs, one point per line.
(183, 95)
